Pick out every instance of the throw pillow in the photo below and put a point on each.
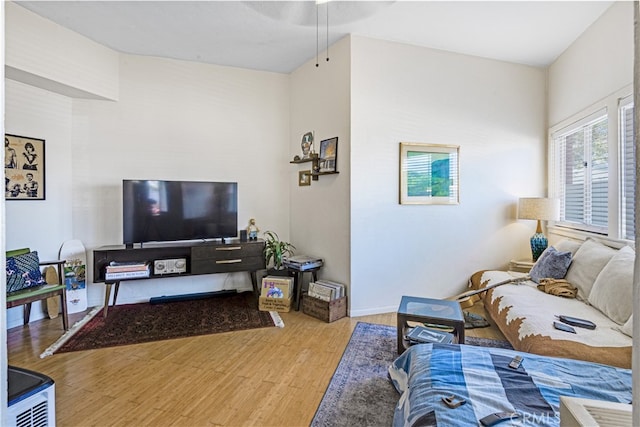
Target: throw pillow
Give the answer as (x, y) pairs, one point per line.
(23, 271)
(551, 264)
(587, 263)
(612, 292)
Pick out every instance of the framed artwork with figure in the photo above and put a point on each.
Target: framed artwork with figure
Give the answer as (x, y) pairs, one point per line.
(23, 168)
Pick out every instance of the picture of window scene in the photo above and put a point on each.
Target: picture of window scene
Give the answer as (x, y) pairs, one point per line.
(428, 174)
(23, 168)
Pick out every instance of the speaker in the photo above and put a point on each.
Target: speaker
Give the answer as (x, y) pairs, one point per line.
(243, 235)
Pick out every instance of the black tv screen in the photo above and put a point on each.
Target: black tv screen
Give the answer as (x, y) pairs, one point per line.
(158, 211)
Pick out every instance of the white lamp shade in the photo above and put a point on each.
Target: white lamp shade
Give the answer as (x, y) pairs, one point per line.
(539, 208)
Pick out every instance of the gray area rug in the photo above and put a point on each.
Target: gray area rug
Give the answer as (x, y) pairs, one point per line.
(360, 393)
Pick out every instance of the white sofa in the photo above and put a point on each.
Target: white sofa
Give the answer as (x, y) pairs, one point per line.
(604, 278)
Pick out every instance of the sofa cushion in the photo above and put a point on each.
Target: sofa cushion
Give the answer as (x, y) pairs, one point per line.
(23, 271)
(566, 245)
(587, 263)
(551, 264)
(627, 328)
(612, 292)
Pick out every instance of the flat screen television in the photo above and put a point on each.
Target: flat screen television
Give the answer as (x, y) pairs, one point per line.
(160, 211)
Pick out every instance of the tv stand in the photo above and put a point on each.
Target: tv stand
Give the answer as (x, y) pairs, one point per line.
(199, 258)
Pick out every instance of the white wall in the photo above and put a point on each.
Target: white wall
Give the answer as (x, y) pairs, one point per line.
(320, 213)
(495, 112)
(597, 64)
(44, 54)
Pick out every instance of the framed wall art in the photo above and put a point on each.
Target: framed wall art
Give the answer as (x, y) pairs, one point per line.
(328, 157)
(304, 178)
(429, 174)
(23, 168)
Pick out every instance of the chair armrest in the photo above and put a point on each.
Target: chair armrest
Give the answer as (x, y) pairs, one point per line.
(58, 262)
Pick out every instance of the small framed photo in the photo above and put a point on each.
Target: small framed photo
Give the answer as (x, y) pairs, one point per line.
(23, 168)
(429, 174)
(304, 178)
(328, 158)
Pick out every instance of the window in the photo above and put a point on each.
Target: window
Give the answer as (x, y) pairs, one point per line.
(592, 169)
(581, 170)
(627, 170)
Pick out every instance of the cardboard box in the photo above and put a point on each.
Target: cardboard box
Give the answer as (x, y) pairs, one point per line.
(329, 311)
(277, 285)
(282, 305)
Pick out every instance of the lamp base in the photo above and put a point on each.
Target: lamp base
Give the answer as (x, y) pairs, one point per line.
(538, 244)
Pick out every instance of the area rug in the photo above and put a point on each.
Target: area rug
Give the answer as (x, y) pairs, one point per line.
(360, 393)
(139, 323)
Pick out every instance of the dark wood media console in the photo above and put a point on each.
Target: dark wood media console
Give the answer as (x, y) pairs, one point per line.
(200, 258)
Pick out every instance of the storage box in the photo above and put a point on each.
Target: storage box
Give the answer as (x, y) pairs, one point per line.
(329, 311)
(277, 287)
(275, 304)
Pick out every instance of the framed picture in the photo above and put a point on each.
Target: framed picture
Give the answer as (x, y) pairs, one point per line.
(23, 168)
(328, 158)
(429, 174)
(304, 178)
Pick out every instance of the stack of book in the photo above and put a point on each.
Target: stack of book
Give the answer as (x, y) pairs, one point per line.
(326, 290)
(302, 262)
(127, 270)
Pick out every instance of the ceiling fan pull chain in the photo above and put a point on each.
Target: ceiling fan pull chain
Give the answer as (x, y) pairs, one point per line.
(327, 31)
(317, 34)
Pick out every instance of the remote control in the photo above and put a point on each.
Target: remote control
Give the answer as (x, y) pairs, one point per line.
(574, 321)
(492, 419)
(515, 362)
(563, 327)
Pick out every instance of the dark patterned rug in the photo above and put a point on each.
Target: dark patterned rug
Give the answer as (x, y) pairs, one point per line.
(139, 323)
(360, 393)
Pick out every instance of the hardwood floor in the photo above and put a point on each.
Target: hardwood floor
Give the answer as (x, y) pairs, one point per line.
(264, 377)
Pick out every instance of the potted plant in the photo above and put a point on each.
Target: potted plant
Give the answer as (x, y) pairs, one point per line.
(275, 249)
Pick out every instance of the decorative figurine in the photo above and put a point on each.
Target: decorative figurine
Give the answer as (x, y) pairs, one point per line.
(252, 230)
(307, 145)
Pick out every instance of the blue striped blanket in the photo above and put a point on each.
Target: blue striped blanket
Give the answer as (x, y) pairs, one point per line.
(426, 373)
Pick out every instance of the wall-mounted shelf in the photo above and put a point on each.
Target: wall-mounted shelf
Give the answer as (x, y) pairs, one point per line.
(310, 159)
(315, 166)
(315, 175)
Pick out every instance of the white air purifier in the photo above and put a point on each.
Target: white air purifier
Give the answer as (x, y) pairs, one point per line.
(31, 400)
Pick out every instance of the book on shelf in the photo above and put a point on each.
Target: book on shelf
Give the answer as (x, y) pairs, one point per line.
(122, 267)
(420, 334)
(277, 287)
(122, 275)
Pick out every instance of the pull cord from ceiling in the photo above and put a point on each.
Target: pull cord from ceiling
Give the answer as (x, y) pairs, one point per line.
(318, 32)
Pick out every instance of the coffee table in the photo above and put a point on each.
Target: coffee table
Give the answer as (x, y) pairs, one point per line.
(428, 310)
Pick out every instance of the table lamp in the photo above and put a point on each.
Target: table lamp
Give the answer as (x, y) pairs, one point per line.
(538, 208)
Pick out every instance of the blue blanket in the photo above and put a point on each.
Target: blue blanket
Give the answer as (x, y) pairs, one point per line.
(426, 373)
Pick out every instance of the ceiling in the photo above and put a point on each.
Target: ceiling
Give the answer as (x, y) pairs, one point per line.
(280, 36)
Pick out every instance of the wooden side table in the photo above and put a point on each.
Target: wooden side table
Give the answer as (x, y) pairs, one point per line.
(427, 310)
